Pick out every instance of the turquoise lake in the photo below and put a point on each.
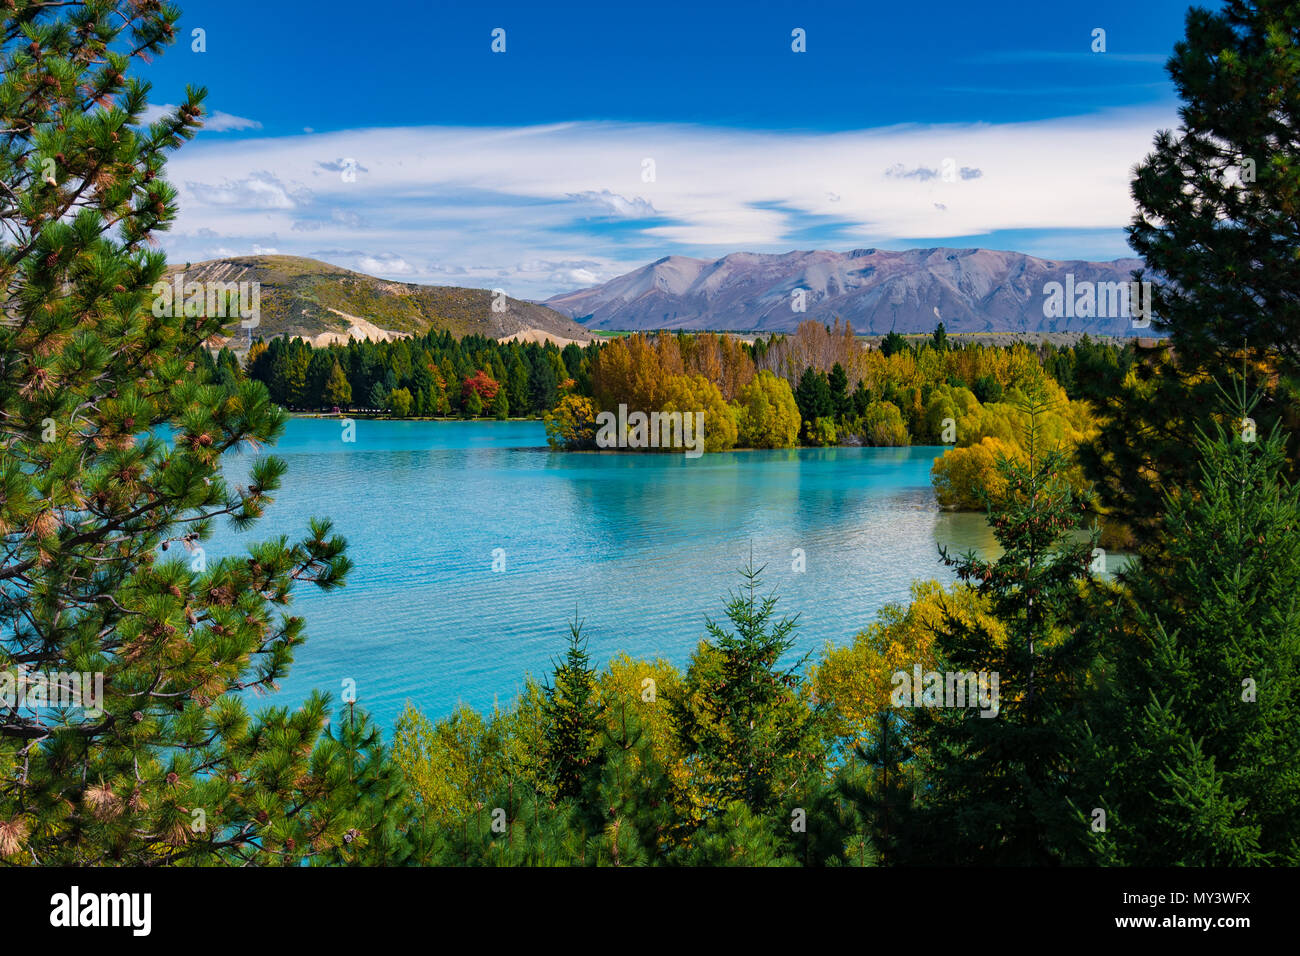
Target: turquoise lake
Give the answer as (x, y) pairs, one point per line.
(643, 546)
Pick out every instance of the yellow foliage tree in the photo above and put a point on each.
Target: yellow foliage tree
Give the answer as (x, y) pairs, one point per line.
(961, 474)
(856, 681)
(572, 423)
(689, 394)
(766, 413)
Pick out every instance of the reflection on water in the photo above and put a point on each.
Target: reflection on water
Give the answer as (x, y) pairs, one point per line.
(642, 546)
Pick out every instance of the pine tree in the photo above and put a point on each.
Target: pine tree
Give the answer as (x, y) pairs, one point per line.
(880, 783)
(742, 718)
(500, 405)
(838, 385)
(939, 341)
(637, 790)
(573, 719)
(1217, 227)
(813, 396)
(517, 385)
(111, 437)
(995, 777)
(736, 836)
(1196, 749)
(543, 388)
(894, 344)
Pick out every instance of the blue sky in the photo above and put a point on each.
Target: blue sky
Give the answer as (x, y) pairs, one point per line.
(607, 136)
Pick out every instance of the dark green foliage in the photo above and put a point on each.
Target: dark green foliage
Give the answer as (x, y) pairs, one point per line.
(1195, 746)
(436, 364)
(894, 343)
(113, 423)
(939, 341)
(574, 717)
(988, 389)
(995, 785)
(860, 400)
(838, 384)
(736, 836)
(880, 783)
(543, 389)
(1217, 226)
(741, 716)
(813, 395)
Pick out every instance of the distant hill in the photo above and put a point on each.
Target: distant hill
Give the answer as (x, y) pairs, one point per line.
(323, 303)
(969, 290)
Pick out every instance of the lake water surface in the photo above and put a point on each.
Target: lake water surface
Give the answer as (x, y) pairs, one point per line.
(642, 545)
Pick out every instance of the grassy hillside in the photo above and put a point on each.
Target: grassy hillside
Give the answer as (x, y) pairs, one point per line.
(304, 297)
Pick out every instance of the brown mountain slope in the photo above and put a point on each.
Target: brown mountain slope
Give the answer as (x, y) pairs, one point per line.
(320, 302)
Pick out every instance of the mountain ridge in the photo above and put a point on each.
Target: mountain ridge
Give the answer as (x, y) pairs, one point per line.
(877, 290)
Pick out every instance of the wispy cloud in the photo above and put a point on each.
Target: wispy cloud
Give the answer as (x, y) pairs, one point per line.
(215, 122)
(258, 190)
(544, 209)
(615, 205)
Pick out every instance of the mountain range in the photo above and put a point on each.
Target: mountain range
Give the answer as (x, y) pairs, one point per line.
(969, 290)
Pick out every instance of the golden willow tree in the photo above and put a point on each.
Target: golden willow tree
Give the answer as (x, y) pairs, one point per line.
(111, 439)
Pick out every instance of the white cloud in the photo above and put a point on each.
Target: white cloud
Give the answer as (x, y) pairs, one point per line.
(385, 265)
(259, 190)
(214, 122)
(615, 205)
(474, 205)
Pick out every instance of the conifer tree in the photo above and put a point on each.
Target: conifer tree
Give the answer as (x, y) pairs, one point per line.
(939, 340)
(1195, 751)
(995, 778)
(742, 717)
(813, 395)
(338, 392)
(1218, 230)
(637, 790)
(736, 836)
(894, 344)
(111, 437)
(500, 405)
(573, 716)
(838, 384)
(880, 784)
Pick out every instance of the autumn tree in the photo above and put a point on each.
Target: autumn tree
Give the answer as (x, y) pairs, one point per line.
(482, 385)
(767, 415)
